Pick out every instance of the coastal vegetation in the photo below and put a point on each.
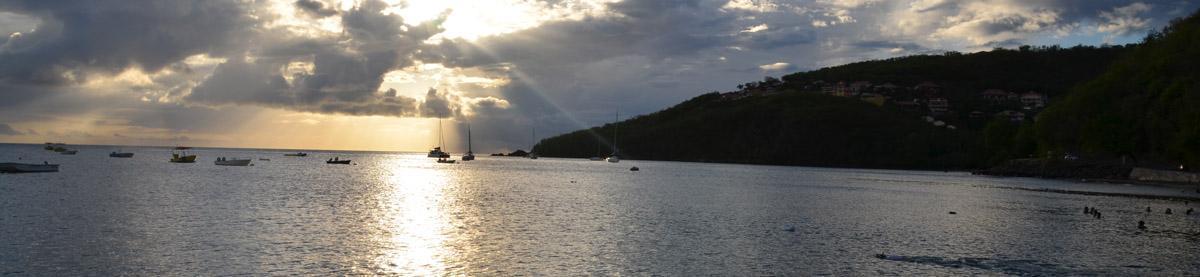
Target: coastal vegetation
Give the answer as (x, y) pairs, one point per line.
(1135, 103)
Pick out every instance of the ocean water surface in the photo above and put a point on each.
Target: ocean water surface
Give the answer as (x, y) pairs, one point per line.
(404, 214)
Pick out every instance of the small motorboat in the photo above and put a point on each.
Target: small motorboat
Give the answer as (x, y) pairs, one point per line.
(120, 155)
(232, 162)
(69, 152)
(300, 154)
(182, 158)
(335, 160)
(445, 161)
(27, 168)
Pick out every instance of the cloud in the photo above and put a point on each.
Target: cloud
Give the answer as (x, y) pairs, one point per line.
(78, 39)
(6, 130)
(779, 66)
(315, 8)
(1125, 20)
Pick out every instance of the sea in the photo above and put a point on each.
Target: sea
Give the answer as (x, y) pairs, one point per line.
(404, 214)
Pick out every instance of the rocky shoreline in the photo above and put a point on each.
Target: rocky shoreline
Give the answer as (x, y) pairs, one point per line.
(1059, 169)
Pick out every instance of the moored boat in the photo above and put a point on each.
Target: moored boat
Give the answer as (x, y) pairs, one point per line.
(470, 156)
(182, 158)
(336, 160)
(445, 161)
(300, 154)
(115, 154)
(231, 162)
(27, 168)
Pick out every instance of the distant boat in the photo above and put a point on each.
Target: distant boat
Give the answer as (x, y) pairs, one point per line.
(115, 154)
(182, 157)
(68, 152)
(264, 159)
(232, 162)
(335, 160)
(182, 148)
(53, 145)
(300, 154)
(614, 158)
(27, 168)
(437, 151)
(445, 161)
(470, 156)
(59, 149)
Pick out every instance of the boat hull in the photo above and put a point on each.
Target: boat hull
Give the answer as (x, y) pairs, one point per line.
(27, 168)
(120, 155)
(338, 162)
(183, 159)
(233, 162)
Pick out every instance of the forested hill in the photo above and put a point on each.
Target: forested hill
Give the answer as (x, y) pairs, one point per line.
(1146, 106)
(937, 111)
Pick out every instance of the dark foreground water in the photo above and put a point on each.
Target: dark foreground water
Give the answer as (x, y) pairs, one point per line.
(404, 214)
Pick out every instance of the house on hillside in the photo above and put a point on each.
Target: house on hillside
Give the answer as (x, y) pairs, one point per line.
(860, 87)
(1033, 100)
(938, 106)
(994, 96)
(929, 89)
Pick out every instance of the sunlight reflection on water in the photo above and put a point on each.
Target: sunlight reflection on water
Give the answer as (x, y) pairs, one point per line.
(404, 214)
(416, 218)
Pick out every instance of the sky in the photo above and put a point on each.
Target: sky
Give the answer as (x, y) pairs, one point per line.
(382, 75)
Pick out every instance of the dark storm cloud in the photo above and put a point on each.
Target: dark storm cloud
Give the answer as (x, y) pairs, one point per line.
(315, 7)
(345, 77)
(76, 38)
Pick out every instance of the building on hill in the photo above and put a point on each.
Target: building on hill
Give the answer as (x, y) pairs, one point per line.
(928, 89)
(1033, 100)
(994, 96)
(860, 87)
(938, 106)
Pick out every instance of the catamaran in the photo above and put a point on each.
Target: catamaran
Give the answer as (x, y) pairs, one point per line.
(614, 158)
(470, 156)
(437, 151)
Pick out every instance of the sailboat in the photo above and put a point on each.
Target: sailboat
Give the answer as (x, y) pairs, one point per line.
(437, 151)
(470, 156)
(441, 155)
(532, 136)
(614, 158)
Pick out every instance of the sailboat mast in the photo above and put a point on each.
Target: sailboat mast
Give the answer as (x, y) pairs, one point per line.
(469, 137)
(616, 126)
(441, 141)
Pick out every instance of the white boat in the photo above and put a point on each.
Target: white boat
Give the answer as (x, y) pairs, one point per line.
(27, 168)
(614, 158)
(437, 151)
(231, 162)
(470, 156)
